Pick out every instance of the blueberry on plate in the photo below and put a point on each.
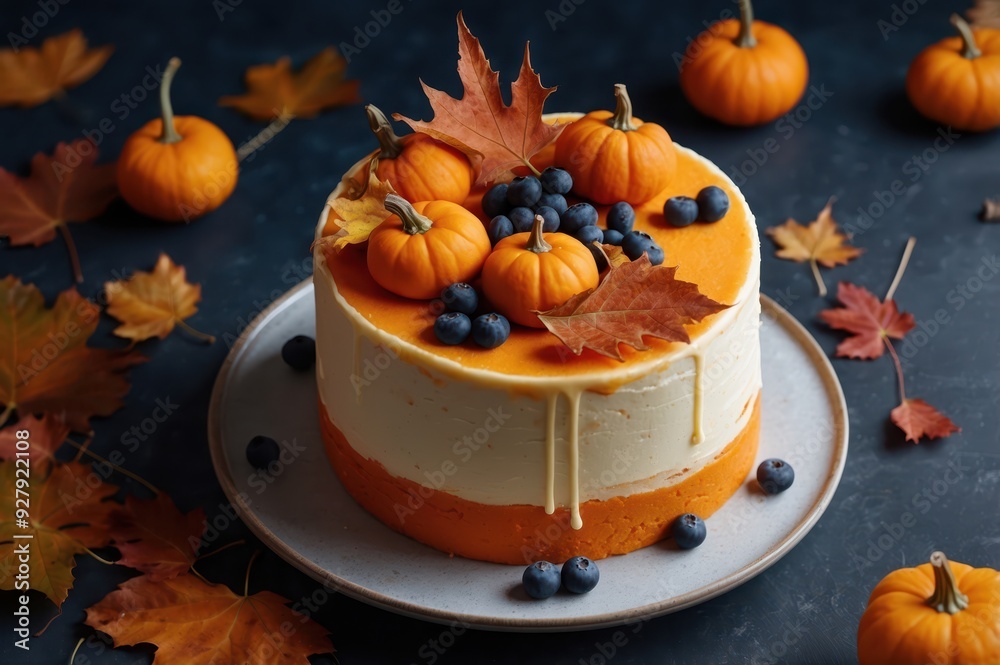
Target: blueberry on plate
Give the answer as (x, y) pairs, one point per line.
(680, 211)
(580, 575)
(555, 201)
(299, 352)
(262, 451)
(612, 237)
(522, 218)
(460, 297)
(500, 227)
(775, 475)
(490, 330)
(589, 234)
(689, 531)
(578, 216)
(540, 580)
(637, 243)
(621, 217)
(495, 200)
(551, 218)
(524, 190)
(713, 204)
(556, 180)
(452, 328)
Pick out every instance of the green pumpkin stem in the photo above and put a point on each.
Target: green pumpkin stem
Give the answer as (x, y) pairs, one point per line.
(970, 50)
(413, 221)
(536, 240)
(622, 119)
(946, 596)
(169, 133)
(745, 38)
(390, 145)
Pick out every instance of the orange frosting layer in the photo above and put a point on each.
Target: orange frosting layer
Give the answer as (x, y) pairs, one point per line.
(521, 534)
(716, 257)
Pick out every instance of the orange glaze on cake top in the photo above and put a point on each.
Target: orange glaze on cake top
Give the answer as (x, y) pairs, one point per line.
(717, 257)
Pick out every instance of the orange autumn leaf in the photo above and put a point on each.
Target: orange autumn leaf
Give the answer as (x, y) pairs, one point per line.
(45, 363)
(65, 187)
(869, 321)
(32, 76)
(274, 91)
(495, 137)
(69, 515)
(984, 14)
(155, 537)
(635, 299)
(358, 215)
(821, 242)
(195, 623)
(42, 438)
(150, 304)
(918, 419)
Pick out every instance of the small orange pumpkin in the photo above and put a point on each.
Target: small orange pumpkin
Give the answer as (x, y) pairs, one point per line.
(943, 613)
(419, 167)
(426, 246)
(957, 81)
(744, 72)
(616, 157)
(535, 271)
(176, 168)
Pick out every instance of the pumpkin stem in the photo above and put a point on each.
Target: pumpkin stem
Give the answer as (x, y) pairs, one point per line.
(169, 134)
(622, 119)
(970, 49)
(745, 38)
(536, 240)
(946, 596)
(413, 221)
(391, 146)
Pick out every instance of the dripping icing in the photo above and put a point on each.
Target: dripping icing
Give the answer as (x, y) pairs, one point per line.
(550, 453)
(574, 459)
(697, 435)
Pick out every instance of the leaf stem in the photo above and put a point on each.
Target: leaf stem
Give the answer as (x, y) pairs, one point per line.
(201, 577)
(169, 133)
(99, 558)
(72, 656)
(970, 49)
(221, 549)
(907, 251)
(74, 257)
(899, 369)
(536, 172)
(246, 582)
(264, 136)
(183, 325)
(819, 277)
(124, 472)
(745, 38)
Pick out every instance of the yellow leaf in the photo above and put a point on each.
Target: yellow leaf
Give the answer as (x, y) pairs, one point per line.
(359, 216)
(32, 76)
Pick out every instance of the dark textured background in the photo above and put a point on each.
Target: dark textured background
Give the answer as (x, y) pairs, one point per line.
(857, 143)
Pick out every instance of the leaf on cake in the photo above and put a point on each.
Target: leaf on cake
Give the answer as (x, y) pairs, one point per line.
(634, 300)
(821, 242)
(67, 186)
(155, 537)
(868, 320)
(45, 363)
(615, 255)
(32, 76)
(494, 136)
(45, 436)
(150, 304)
(359, 216)
(275, 91)
(918, 419)
(196, 623)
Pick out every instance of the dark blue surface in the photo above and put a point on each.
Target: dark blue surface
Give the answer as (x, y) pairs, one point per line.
(856, 141)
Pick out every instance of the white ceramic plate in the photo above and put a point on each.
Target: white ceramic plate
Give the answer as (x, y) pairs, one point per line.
(307, 517)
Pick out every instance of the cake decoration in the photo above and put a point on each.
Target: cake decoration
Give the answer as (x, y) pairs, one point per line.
(360, 211)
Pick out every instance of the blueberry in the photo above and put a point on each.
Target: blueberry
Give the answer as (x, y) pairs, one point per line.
(540, 580)
(635, 243)
(589, 234)
(500, 228)
(262, 451)
(621, 217)
(775, 475)
(612, 237)
(522, 218)
(524, 191)
(680, 210)
(495, 200)
(299, 352)
(556, 180)
(578, 216)
(580, 575)
(551, 218)
(656, 254)
(490, 330)
(460, 297)
(555, 201)
(452, 328)
(689, 531)
(713, 204)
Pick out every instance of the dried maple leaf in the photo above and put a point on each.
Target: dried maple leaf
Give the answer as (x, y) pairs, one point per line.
(869, 320)
(150, 304)
(194, 623)
(44, 437)
(494, 136)
(615, 255)
(919, 419)
(276, 92)
(633, 300)
(32, 76)
(985, 14)
(821, 242)
(45, 363)
(68, 515)
(155, 537)
(65, 187)
(360, 214)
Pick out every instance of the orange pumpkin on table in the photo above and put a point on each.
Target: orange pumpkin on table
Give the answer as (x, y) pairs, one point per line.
(957, 81)
(744, 72)
(176, 168)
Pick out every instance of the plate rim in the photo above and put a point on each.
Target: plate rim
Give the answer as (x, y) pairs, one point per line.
(769, 307)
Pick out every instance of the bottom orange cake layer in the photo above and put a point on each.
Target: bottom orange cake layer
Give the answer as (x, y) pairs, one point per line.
(521, 534)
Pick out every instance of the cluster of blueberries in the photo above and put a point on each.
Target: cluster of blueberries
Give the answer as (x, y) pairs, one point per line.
(460, 303)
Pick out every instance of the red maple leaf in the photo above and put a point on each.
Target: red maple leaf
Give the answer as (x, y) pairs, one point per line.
(155, 537)
(870, 321)
(919, 419)
(42, 437)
